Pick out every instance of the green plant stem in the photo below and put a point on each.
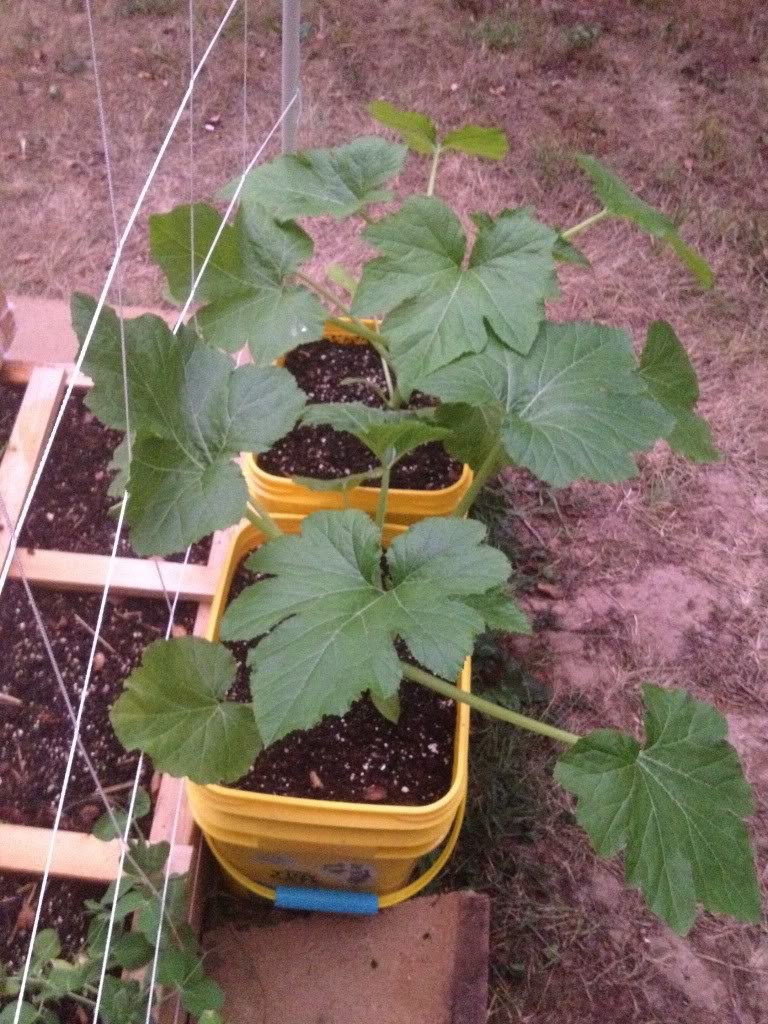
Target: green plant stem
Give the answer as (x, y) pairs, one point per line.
(489, 466)
(584, 224)
(395, 398)
(487, 707)
(433, 171)
(44, 988)
(262, 520)
(381, 508)
(355, 324)
(326, 293)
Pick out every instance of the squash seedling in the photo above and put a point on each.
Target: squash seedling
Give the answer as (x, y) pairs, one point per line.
(462, 320)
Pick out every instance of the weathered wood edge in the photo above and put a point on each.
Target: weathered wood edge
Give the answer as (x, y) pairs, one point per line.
(26, 443)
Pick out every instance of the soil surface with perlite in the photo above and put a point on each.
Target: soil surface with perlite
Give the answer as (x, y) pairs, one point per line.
(359, 757)
(324, 453)
(71, 509)
(35, 725)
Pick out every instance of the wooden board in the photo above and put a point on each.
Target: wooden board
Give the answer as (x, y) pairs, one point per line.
(25, 445)
(136, 577)
(75, 854)
(19, 371)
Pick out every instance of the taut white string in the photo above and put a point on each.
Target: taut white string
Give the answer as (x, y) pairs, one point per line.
(104, 291)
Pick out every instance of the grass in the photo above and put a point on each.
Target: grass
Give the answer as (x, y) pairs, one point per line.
(505, 807)
(499, 32)
(147, 8)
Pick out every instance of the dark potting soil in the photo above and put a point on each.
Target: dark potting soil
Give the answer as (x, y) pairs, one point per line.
(71, 509)
(325, 453)
(360, 756)
(62, 909)
(35, 735)
(10, 400)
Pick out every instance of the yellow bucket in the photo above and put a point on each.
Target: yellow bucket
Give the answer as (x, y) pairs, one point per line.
(265, 842)
(281, 494)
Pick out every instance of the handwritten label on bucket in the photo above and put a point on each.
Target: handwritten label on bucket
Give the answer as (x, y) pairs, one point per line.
(287, 870)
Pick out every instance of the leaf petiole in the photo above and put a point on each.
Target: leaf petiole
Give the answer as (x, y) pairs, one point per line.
(433, 170)
(381, 508)
(585, 224)
(489, 466)
(487, 707)
(262, 520)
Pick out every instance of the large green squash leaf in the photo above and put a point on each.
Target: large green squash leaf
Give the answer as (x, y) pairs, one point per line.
(251, 297)
(174, 709)
(674, 804)
(620, 201)
(339, 181)
(575, 408)
(437, 308)
(671, 379)
(334, 620)
(184, 237)
(192, 411)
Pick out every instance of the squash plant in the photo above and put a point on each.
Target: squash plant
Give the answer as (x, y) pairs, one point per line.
(148, 936)
(464, 322)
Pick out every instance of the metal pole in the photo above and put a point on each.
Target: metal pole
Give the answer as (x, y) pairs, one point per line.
(290, 70)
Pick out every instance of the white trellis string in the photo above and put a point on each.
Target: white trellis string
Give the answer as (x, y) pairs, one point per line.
(105, 290)
(120, 240)
(120, 522)
(115, 226)
(230, 208)
(70, 760)
(124, 850)
(177, 325)
(245, 82)
(59, 677)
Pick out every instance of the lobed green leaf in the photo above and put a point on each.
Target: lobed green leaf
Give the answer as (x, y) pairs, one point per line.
(416, 130)
(438, 310)
(674, 804)
(389, 434)
(248, 284)
(327, 606)
(173, 708)
(575, 408)
(339, 181)
(192, 412)
(620, 201)
(671, 379)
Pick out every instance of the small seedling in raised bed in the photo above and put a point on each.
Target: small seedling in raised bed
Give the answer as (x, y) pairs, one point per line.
(568, 401)
(134, 927)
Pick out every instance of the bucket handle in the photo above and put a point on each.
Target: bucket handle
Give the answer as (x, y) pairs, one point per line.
(339, 901)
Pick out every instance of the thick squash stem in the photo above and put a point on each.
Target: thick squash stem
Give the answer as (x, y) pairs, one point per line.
(486, 707)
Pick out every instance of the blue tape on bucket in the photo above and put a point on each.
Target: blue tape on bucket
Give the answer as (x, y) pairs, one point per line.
(330, 901)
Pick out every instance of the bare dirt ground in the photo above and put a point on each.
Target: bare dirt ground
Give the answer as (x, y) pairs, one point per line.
(662, 578)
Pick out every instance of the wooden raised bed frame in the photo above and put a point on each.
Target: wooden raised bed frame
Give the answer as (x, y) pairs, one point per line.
(77, 855)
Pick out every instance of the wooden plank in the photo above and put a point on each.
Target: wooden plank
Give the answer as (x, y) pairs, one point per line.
(19, 371)
(136, 577)
(25, 445)
(75, 854)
